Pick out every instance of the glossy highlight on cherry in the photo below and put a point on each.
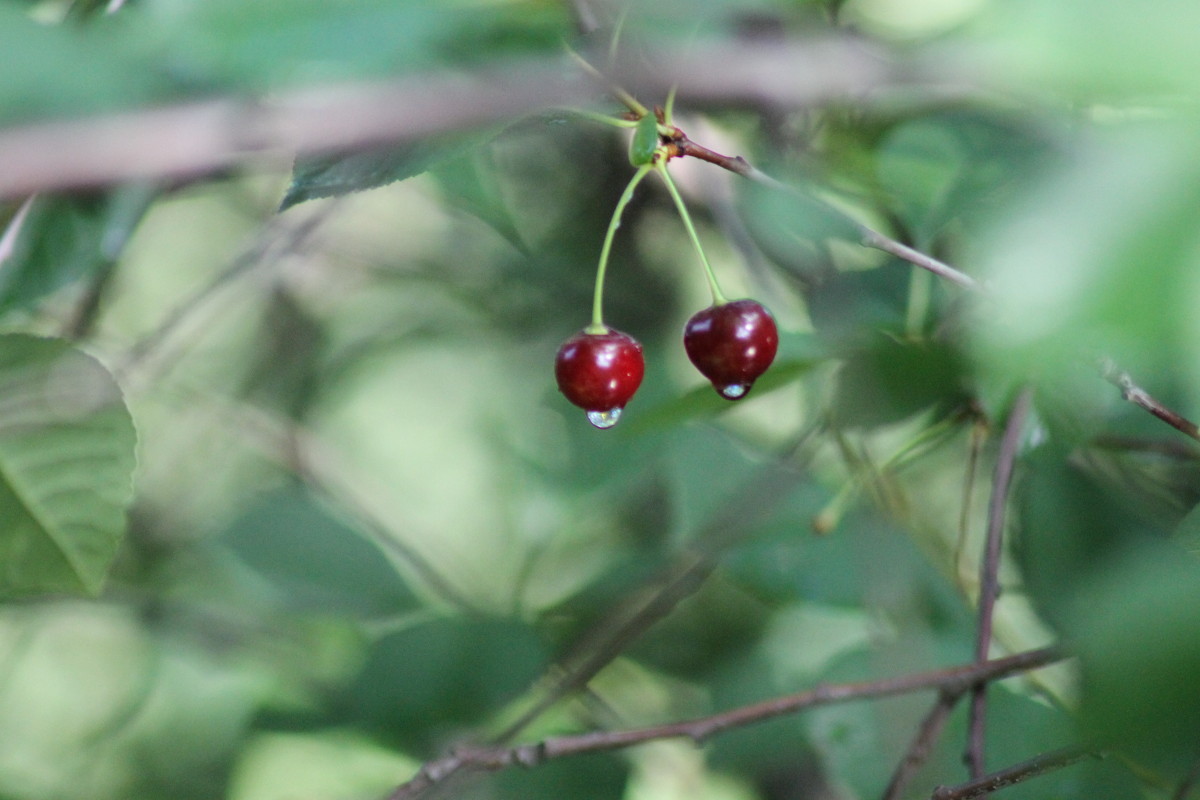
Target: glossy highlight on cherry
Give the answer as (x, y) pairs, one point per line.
(732, 344)
(600, 372)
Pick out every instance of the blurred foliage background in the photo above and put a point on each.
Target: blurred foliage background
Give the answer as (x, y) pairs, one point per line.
(363, 525)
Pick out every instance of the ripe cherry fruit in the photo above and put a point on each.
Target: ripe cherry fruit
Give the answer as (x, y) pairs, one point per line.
(599, 372)
(732, 344)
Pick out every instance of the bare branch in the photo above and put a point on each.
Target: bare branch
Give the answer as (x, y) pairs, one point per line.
(1143, 399)
(953, 680)
(1047, 762)
(989, 569)
(868, 236)
(922, 744)
(187, 140)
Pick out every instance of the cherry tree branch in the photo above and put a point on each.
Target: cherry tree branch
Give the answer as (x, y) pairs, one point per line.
(187, 140)
(868, 237)
(1142, 399)
(989, 570)
(924, 739)
(1039, 765)
(489, 758)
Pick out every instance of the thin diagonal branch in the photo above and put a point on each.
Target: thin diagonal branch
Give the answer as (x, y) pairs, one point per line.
(868, 237)
(762, 494)
(989, 570)
(1039, 765)
(1140, 397)
(924, 739)
(954, 680)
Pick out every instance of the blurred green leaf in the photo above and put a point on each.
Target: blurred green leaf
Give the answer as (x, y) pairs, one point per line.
(332, 176)
(321, 563)
(66, 463)
(783, 220)
(64, 239)
(333, 764)
(62, 70)
(437, 676)
(1107, 52)
(891, 379)
(703, 401)
(1100, 260)
(264, 45)
(1138, 636)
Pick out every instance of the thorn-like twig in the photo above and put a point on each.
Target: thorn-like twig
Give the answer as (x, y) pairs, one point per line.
(1140, 397)
(989, 570)
(1047, 762)
(954, 680)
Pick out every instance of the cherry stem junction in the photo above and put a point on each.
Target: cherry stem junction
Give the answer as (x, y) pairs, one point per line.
(717, 296)
(598, 325)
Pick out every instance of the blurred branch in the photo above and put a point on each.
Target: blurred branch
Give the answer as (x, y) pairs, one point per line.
(189, 140)
(283, 235)
(954, 679)
(989, 570)
(1047, 762)
(922, 744)
(759, 496)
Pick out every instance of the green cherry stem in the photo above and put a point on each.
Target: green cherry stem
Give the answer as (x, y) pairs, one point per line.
(717, 296)
(669, 108)
(598, 325)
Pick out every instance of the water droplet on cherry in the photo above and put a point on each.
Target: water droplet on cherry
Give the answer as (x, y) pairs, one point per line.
(734, 390)
(604, 419)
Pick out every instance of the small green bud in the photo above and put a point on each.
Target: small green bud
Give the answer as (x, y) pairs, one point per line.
(645, 141)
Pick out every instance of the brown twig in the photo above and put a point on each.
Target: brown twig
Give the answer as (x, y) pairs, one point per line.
(954, 680)
(1047, 762)
(989, 570)
(1140, 397)
(868, 237)
(922, 744)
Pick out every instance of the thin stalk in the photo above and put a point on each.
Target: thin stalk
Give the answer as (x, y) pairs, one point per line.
(669, 108)
(593, 116)
(717, 296)
(625, 97)
(598, 325)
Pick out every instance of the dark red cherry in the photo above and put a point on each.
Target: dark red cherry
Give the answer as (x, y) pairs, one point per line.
(599, 372)
(732, 344)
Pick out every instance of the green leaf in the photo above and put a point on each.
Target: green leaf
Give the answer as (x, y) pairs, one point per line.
(1138, 637)
(1126, 288)
(336, 175)
(423, 680)
(66, 239)
(317, 559)
(890, 380)
(66, 460)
